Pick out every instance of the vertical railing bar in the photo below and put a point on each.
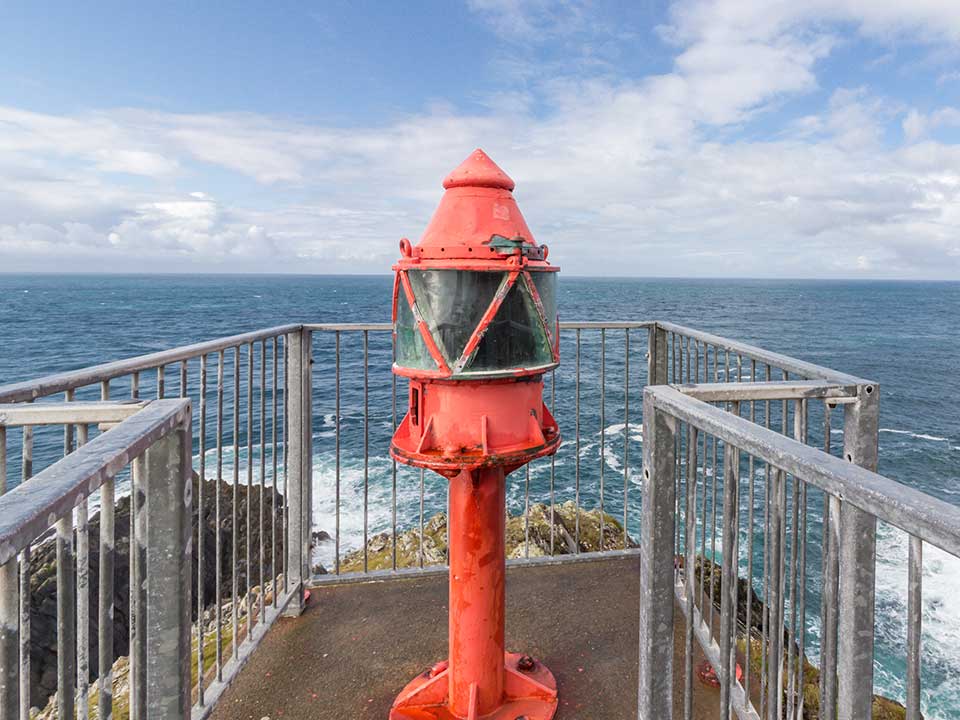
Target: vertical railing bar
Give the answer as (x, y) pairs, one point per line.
(25, 644)
(687, 352)
(703, 527)
(678, 450)
(218, 539)
(67, 606)
(526, 513)
(728, 599)
(802, 611)
(274, 461)
(9, 616)
(138, 593)
(421, 520)
(914, 626)
(83, 596)
(792, 656)
(285, 427)
(201, 526)
(801, 601)
(235, 549)
(366, 450)
(161, 381)
(858, 560)
(336, 416)
(626, 431)
(68, 428)
(296, 434)
(576, 531)
(767, 567)
(750, 543)
(774, 665)
(263, 472)
(782, 594)
(66, 619)
(689, 564)
(105, 625)
(713, 499)
(828, 608)
(26, 459)
(553, 466)
(657, 564)
(306, 424)
(248, 572)
(183, 378)
(393, 462)
(603, 431)
(696, 361)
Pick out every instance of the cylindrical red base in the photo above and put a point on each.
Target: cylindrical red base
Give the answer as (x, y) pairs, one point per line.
(479, 680)
(477, 590)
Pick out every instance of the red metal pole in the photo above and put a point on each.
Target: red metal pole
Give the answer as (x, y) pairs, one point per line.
(477, 594)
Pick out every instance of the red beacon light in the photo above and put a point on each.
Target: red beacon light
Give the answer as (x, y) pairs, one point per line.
(475, 319)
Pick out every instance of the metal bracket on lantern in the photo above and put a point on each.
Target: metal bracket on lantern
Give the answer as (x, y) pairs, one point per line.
(517, 246)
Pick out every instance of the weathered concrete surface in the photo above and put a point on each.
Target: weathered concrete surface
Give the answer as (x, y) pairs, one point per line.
(356, 646)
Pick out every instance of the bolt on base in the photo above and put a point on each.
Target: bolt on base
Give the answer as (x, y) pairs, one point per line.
(529, 694)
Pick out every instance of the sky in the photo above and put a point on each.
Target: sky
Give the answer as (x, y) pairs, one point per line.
(695, 138)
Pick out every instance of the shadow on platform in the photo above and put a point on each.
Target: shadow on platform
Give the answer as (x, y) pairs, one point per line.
(357, 645)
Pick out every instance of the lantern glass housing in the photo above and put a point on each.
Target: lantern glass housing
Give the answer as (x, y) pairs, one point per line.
(411, 349)
(452, 304)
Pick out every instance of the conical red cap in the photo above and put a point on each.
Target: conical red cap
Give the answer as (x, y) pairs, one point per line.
(478, 170)
(478, 204)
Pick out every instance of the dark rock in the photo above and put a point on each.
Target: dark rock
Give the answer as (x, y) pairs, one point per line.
(43, 585)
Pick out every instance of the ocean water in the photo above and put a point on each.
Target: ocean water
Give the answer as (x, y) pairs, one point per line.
(903, 335)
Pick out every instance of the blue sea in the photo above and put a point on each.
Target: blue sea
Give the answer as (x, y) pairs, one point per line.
(904, 335)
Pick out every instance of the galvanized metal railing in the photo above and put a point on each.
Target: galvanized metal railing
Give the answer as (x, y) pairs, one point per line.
(762, 539)
(154, 438)
(292, 407)
(592, 387)
(250, 443)
(340, 380)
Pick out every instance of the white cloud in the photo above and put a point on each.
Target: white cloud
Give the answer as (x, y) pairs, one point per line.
(917, 125)
(648, 171)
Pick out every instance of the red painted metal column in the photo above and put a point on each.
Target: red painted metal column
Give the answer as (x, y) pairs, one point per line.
(477, 593)
(476, 329)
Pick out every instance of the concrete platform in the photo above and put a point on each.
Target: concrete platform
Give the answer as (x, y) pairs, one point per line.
(357, 645)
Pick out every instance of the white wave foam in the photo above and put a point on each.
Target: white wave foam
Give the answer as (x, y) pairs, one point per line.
(918, 436)
(636, 430)
(941, 621)
(379, 500)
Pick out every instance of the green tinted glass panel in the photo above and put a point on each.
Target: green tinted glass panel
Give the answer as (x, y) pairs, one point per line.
(546, 284)
(452, 303)
(515, 338)
(411, 349)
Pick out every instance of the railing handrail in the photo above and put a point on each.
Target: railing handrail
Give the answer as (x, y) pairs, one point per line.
(564, 325)
(785, 362)
(26, 390)
(26, 511)
(772, 390)
(909, 509)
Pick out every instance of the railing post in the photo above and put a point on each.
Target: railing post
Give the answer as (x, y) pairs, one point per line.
(9, 640)
(657, 564)
(657, 356)
(9, 616)
(169, 497)
(299, 465)
(858, 558)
